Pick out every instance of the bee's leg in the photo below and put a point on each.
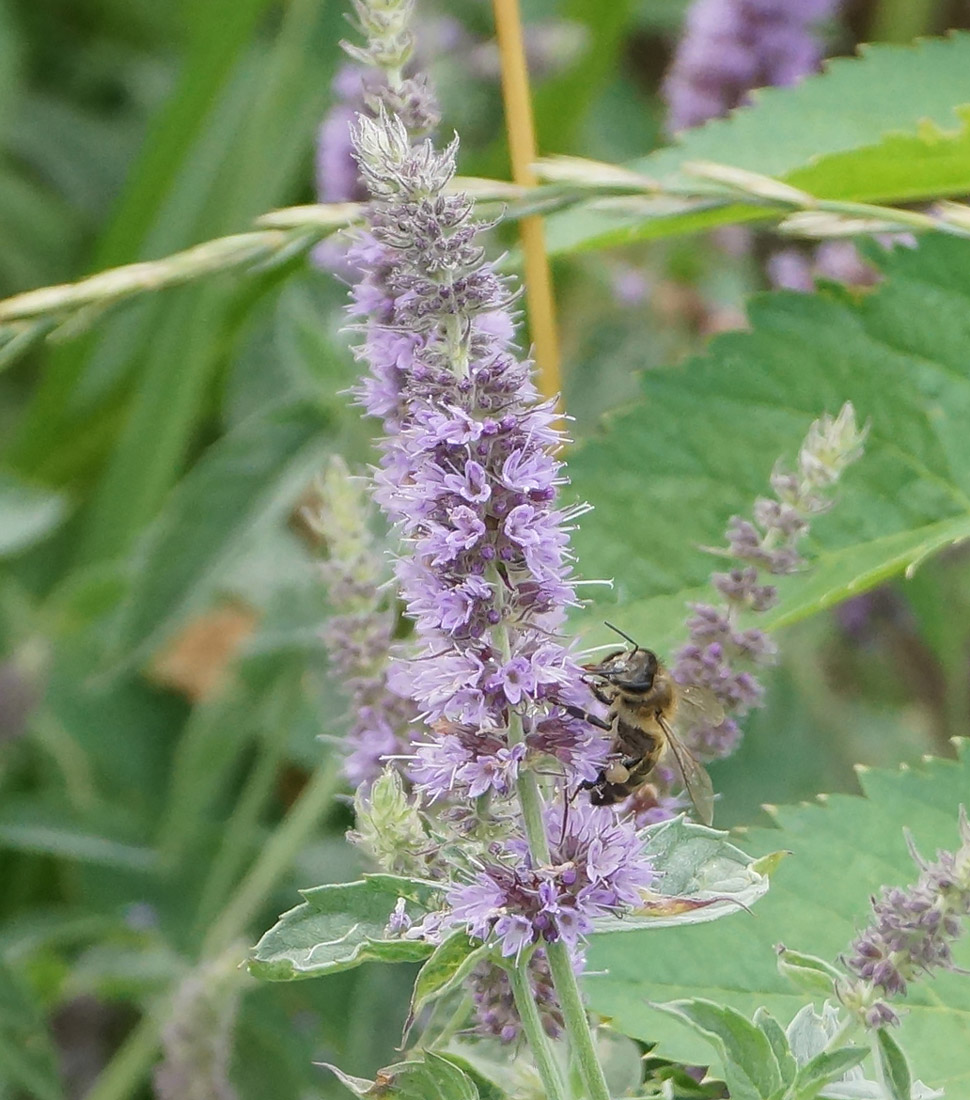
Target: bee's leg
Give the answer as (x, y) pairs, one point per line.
(597, 690)
(585, 716)
(567, 801)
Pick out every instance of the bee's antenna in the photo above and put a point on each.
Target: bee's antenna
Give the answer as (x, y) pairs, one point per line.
(622, 634)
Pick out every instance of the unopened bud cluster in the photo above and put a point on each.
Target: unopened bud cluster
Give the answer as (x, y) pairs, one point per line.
(385, 24)
(390, 828)
(911, 934)
(359, 634)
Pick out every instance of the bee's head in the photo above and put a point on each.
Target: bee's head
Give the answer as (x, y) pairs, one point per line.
(631, 670)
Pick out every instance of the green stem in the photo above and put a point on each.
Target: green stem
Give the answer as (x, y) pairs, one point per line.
(563, 977)
(576, 1021)
(121, 1077)
(548, 1067)
(878, 1067)
(240, 831)
(846, 1028)
(133, 1060)
(274, 860)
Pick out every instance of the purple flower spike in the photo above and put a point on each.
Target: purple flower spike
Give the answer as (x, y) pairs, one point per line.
(719, 648)
(467, 476)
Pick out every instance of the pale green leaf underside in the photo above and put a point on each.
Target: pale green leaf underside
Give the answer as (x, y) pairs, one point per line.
(666, 474)
(340, 927)
(888, 126)
(701, 877)
(842, 851)
(27, 513)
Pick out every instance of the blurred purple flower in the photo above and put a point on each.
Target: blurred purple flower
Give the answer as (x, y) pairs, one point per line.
(731, 47)
(837, 260)
(359, 633)
(495, 1011)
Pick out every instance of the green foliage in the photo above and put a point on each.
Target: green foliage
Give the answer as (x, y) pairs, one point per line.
(27, 1055)
(450, 963)
(341, 926)
(904, 138)
(430, 1078)
(895, 1069)
(29, 514)
(252, 477)
(751, 1070)
(758, 1062)
(897, 354)
(843, 850)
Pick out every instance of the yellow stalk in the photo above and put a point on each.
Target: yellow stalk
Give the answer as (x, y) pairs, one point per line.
(522, 152)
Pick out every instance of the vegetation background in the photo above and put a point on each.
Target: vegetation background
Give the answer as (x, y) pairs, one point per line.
(168, 732)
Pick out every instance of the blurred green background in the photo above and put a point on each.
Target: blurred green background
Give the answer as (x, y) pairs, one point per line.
(139, 789)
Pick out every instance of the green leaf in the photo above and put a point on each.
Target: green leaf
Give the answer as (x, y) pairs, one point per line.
(843, 851)
(359, 1086)
(895, 1068)
(255, 103)
(431, 1078)
(810, 1032)
(27, 513)
(451, 962)
(906, 102)
(824, 1068)
(776, 1036)
(750, 1068)
(251, 476)
(898, 354)
(700, 878)
(487, 1088)
(27, 1052)
(342, 926)
(29, 828)
(812, 974)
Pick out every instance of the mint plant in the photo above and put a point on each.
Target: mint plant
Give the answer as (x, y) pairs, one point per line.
(298, 591)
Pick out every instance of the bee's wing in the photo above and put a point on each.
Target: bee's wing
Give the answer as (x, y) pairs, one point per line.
(697, 782)
(697, 706)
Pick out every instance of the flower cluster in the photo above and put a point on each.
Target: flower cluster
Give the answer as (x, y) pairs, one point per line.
(365, 84)
(356, 88)
(373, 82)
(597, 870)
(719, 649)
(358, 635)
(468, 478)
(912, 932)
(495, 1011)
(731, 47)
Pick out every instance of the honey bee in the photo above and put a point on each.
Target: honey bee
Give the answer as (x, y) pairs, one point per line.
(646, 705)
